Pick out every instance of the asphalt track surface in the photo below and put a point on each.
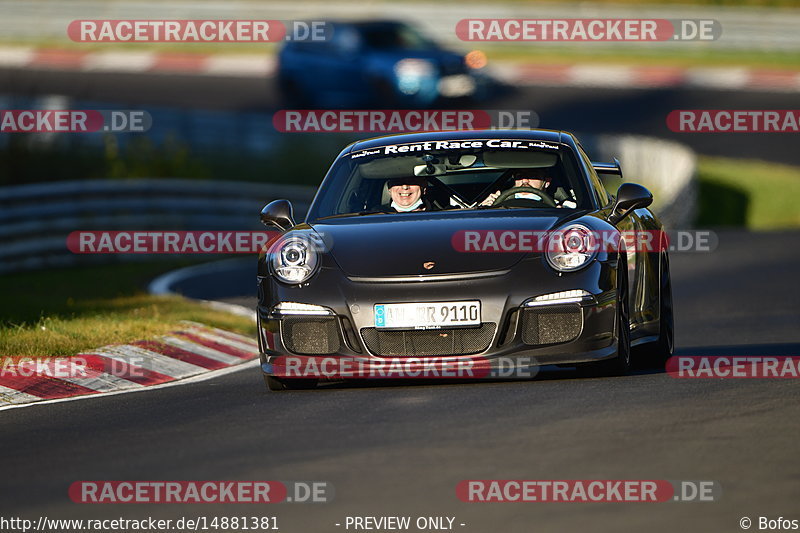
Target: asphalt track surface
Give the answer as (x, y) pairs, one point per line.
(401, 448)
(581, 110)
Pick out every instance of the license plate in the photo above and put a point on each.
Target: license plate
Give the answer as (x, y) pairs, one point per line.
(428, 315)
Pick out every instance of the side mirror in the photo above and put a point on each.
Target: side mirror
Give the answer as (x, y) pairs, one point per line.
(630, 196)
(279, 214)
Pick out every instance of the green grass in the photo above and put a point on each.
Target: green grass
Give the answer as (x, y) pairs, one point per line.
(63, 312)
(755, 194)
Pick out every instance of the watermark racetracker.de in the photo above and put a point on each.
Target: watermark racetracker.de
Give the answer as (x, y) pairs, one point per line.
(400, 120)
(343, 368)
(467, 241)
(148, 524)
(170, 242)
(208, 492)
(582, 240)
(733, 367)
(734, 120)
(587, 491)
(74, 120)
(197, 31)
(588, 30)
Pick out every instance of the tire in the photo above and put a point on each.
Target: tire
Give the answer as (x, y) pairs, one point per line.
(656, 353)
(276, 385)
(621, 363)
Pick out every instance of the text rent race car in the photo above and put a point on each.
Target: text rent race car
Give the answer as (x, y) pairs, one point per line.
(514, 251)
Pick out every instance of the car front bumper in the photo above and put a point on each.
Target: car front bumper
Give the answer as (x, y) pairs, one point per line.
(516, 332)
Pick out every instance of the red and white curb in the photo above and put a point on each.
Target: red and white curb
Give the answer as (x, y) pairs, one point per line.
(626, 76)
(195, 351)
(522, 74)
(138, 62)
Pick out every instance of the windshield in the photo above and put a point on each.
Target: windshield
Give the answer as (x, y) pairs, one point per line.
(453, 175)
(388, 36)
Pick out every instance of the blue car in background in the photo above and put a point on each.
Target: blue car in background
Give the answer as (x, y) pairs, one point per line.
(374, 63)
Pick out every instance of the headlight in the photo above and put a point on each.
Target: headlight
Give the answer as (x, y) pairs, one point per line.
(294, 308)
(412, 74)
(293, 260)
(571, 248)
(414, 68)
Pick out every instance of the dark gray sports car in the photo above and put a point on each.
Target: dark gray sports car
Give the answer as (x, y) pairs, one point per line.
(463, 250)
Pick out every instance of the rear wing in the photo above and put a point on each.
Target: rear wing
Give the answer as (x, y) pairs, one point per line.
(609, 169)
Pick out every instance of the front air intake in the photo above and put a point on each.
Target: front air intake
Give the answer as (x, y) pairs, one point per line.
(430, 342)
(306, 335)
(551, 324)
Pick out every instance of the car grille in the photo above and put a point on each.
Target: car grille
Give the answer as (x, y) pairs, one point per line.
(310, 336)
(551, 324)
(429, 342)
(452, 67)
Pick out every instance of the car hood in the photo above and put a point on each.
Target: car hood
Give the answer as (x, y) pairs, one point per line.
(400, 244)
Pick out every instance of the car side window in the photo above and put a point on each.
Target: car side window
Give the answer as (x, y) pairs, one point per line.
(345, 41)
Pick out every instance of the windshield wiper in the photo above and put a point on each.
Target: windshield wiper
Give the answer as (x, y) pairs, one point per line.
(356, 214)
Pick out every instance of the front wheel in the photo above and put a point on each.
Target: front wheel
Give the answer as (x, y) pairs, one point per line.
(621, 363)
(657, 353)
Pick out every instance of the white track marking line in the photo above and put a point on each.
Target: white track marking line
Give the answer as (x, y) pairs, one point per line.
(234, 309)
(724, 78)
(119, 61)
(602, 75)
(242, 65)
(16, 57)
(196, 379)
